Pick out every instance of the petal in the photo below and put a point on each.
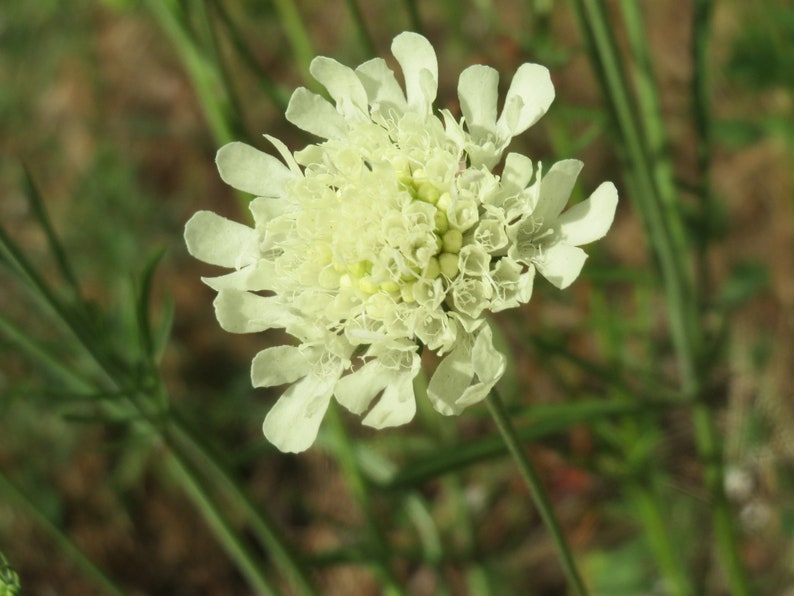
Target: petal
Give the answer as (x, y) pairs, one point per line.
(451, 378)
(252, 278)
(512, 286)
(417, 58)
(488, 362)
(310, 112)
(264, 209)
(292, 424)
(478, 94)
(590, 219)
(285, 154)
(517, 172)
(243, 312)
(279, 365)
(560, 263)
(555, 190)
(381, 85)
(250, 170)
(356, 390)
(397, 405)
(343, 86)
(528, 98)
(489, 366)
(220, 241)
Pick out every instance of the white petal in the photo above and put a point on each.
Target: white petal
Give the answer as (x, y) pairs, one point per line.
(590, 220)
(418, 61)
(243, 312)
(528, 98)
(356, 390)
(555, 190)
(512, 286)
(250, 170)
(343, 85)
(292, 424)
(397, 405)
(488, 362)
(451, 378)
(264, 209)
(478, 94)
(517, 172)
(310, 112)
(252, 278)
(560, 264)
(381, 85)
(279, 365)
(219, 241)
(284, 151)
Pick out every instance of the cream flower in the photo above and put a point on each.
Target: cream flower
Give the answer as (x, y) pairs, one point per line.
(390, 234)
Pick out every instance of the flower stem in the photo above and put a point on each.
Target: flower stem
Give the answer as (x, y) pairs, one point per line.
(68, 547)
(345, 457)
(539, 496)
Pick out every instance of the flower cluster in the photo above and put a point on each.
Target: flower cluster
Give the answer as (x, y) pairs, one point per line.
(391, 234)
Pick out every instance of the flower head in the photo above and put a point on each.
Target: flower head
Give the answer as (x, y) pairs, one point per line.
(392, 233)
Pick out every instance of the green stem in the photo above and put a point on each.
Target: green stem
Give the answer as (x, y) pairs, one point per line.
(240, 553)
(700, 109)
(541, 499)
(277, 95)
(64, 542)
(205, 78)
(413, 15)
(262, 527)
(645, 499)
(298, 37)
(345, 457)
(361, 27)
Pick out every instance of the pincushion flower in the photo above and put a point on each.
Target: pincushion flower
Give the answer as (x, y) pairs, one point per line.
(392, 233)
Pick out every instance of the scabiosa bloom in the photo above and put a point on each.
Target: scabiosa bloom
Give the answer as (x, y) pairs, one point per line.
(392, 233)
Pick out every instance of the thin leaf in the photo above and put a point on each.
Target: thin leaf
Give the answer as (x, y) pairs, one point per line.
(40, 212)
(547, 420)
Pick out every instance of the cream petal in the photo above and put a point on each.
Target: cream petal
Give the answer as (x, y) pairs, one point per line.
(555, 190)
(235, 280)
(279, 365)
(451, 378)
(310, 112)
(219, 241)
(383, 90)
(417, 58)
(251, 278)
(355, 391)
(243, 312)
(478, 94)
(517, 172)
(343, 86)
(487, 361)
(292, 424)
(591, 219)
(560, 263)
(286, 155)
(264, 209)
(250, 170)
(489, 366)
(528, 98)
(512, 287)
(397, 405)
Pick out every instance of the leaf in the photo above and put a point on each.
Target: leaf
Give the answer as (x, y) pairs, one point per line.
(547, 420)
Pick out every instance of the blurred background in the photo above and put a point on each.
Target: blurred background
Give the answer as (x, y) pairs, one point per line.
(111, 113)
